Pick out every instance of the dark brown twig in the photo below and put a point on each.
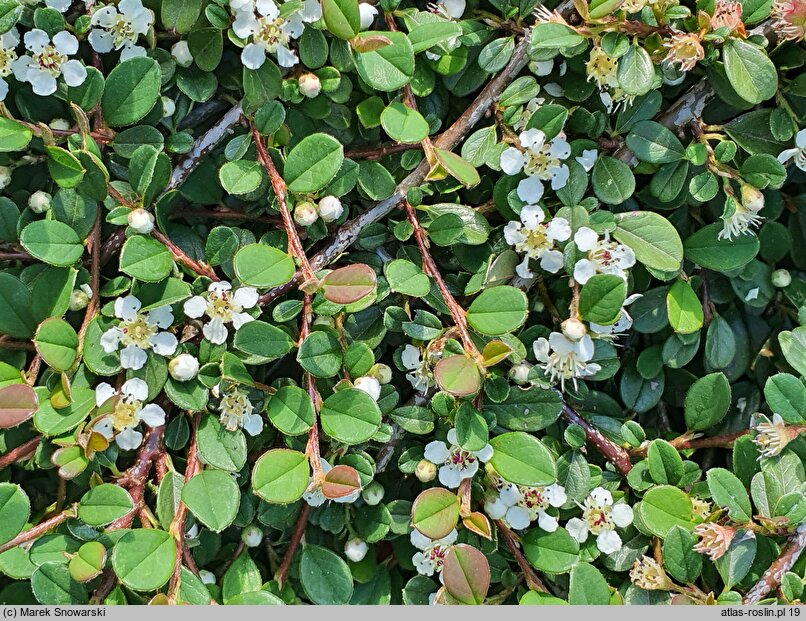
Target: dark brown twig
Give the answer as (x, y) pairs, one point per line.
(609, 450)
(532, 579)
(20, 453)
(40, 529)
(296, 538)
(684, 442)
(771, 578)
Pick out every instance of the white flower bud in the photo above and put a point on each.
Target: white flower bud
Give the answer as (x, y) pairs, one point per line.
(356, 549)
(781, 278)
(752, 198)
(309, 85)
(367, 13)
(252, 536)
(373, 493)
(381, 372)
(184, 367)
(39, 201)
(574, 329)
(168, 107)
(330, 208)
(5, 176)
(305, 214)
(78, 300)
(59, 124)
(181, 53)
(141, 221)
(519, 373)
(369, 385)
(425, 471)
(207, 577)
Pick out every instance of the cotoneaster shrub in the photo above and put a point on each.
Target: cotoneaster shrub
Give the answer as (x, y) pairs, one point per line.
(366, 303)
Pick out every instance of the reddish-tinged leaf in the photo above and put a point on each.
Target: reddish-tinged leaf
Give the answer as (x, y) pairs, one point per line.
(479, 524)
(458, 375)
(341, 481)
(18, 403)
(435, 512)
(349, 284)
(466, 574)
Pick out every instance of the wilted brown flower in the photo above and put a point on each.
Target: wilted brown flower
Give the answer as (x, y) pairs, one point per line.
(714, 539)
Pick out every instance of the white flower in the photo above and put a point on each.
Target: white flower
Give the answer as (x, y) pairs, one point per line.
(367, 13)
(432, 551)
(796, 154)
(520, 505)
(127, 412)
(309, 85)
(270, 33)
(138, 332)
(537, 239)
(8, 54)
(772, 436)
(588, 158)
(369, 385)
(419, 377)
(356, 549)
(236, 412)
(540, 161)
(603, 256)
(457, 463)
(452, 9)
(141, 221)
(222, 307)
(60, 5)
(181, 53)
(119, 28)
(564, 359)
(738, 219)
(39, 201)
(184, 367)
(621, 326)
(252, 536)
(600, 517)
(330, 208)
(49, 60)
(314, 496)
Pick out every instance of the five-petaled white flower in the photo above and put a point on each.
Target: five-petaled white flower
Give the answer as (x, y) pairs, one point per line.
(48, 60)
(8, 54)
(457, 463)
(540, 161)
(222, 306)
(772, 435)
(797, 153)
(237, 412)
(563, 358)
(271, 29)
(537, 239)
(602, 256)
(119, 28)
(520, 505)
(740, 217)
(126, 412)
(452, 9)
(138, 332)
(431, 556)
(314, 495)
(419, 375)
(601, 517)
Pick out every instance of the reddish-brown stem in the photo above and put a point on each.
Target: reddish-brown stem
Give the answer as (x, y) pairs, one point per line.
(179, 255)
(177, 528)
(112, 245)
(771, 578)
(457, 312)
(33, 370)
(7, 343)
(532, 580)
(278, 184)
(20, 453)
(312, 448)
(225, 213)
(134, 479)
(682, 443)
(376, 153)
(94, 247)
(609, 450)
(296, 538)
(40, 529)
(99, 137)
(15, 255)
(233, 557)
